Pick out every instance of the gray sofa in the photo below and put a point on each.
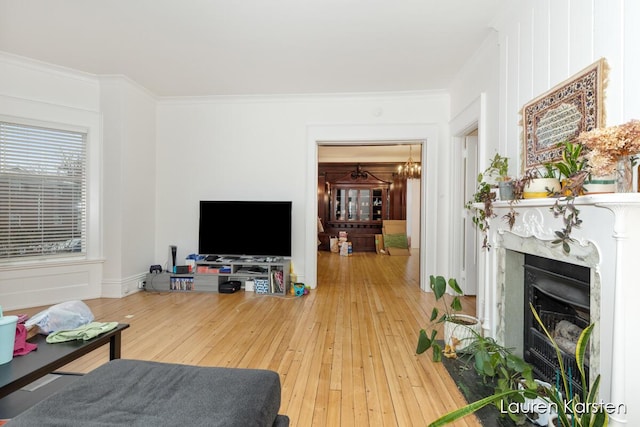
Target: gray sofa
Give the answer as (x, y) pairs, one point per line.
(141, 393)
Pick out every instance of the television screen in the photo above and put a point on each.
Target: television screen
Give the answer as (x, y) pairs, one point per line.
(256, 228)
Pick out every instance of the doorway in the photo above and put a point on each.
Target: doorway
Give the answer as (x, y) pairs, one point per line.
(427, 134)
(364, 170)
(360, 185)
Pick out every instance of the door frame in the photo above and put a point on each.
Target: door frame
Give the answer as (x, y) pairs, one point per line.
(474, 116)
(425, 134)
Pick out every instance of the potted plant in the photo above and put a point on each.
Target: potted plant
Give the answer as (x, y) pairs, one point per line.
(512, 191)
(497, 365)
(499, 170)
(544, 182)
(572, 161)
(573, 171)
(612, 150)
(459, 329)
(570, 413)
(539, 410)
(600, 184)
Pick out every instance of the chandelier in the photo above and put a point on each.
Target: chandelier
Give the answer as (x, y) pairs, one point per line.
(411, 169)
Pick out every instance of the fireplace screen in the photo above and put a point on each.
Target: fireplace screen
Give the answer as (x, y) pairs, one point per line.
(560, 294)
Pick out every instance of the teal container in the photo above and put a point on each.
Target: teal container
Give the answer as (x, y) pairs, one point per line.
(7, 337)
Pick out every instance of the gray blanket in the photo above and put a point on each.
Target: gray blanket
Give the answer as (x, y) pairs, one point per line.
(140, 393)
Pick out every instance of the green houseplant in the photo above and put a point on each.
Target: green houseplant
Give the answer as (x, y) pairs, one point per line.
(497, 171)
(485, 196)
(573, 160)
(459, 329)
(570, 410)
(544, 182)
(573, 167)
(497, 365)
(570, 413)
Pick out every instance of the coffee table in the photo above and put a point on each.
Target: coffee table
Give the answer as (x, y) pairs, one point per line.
(24, 370)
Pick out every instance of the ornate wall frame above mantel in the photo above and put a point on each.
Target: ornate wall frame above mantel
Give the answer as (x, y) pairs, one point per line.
(560, 114)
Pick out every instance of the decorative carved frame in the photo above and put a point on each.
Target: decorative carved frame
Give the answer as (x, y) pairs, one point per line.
(560, 114)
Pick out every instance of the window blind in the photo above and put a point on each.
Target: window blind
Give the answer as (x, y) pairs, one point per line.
(42, 191)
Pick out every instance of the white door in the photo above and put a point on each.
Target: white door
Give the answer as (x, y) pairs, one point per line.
(470, 239)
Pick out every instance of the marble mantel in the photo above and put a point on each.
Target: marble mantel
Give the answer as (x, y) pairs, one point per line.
(608, 242)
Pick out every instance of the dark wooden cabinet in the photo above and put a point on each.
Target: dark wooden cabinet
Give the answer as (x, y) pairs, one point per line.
(355, 198)
(364, 204)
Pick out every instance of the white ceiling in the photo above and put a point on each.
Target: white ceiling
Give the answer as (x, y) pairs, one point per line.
(240, 47)
(370, 152)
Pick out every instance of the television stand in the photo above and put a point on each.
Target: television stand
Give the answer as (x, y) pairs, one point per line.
(270, 275)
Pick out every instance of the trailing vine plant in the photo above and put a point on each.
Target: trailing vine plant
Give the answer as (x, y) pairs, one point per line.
(518, 193)
(573, 169)
(573, 187)
(481, 217)
(486, 195)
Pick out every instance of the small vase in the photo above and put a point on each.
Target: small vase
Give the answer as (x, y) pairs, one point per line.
(506, 190)
(541, 187)
(461, 330)
(624, 169)
(601, 184)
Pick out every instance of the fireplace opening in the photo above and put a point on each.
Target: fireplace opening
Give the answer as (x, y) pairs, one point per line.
(559, 291)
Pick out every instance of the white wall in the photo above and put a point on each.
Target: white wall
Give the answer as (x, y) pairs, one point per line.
(152, 161)
(119, 117)
(475, 104)
(544, 42)
(537, 45)
(129, 183)
(479, 75)
(248, 148)
(43, 95)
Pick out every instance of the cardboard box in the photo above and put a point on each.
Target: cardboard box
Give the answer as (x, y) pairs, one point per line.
(398, 251)
(395, 227)
(379, 244)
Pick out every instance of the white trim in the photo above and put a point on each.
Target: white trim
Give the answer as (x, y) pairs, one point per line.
(474, 115)
(46, 67)
(425, 133)
(25, 121)
(303, 97)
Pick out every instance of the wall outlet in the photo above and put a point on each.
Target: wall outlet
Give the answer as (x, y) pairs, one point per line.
(141, 284)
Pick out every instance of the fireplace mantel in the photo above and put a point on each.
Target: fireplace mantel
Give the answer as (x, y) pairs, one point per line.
(608, 242)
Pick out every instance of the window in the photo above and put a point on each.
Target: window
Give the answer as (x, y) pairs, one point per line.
(42, 192)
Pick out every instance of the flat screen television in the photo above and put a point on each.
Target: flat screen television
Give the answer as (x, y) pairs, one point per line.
(256, 228)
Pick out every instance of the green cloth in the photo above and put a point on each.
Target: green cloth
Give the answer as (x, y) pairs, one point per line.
(86, 332)
(396, 241)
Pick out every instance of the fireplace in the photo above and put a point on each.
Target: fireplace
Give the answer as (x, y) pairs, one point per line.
(560, 294)
(607, 244)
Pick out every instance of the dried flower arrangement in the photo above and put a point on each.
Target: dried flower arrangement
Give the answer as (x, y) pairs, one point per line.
(608, 145)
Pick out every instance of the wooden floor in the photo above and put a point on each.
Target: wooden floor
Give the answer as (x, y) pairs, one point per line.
(345, 352)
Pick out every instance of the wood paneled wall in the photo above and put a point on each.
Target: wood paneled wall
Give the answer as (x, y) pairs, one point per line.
(362, 235)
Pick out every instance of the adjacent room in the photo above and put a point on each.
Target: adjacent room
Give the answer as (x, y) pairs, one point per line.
(274, 210)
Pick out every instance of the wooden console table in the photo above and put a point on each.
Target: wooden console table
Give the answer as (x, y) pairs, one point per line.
(24, 370)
